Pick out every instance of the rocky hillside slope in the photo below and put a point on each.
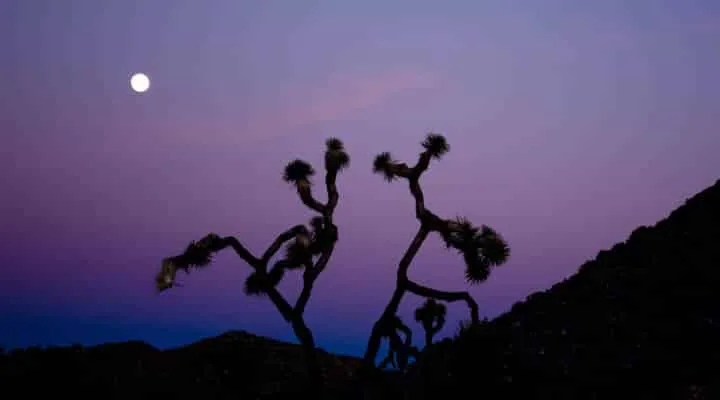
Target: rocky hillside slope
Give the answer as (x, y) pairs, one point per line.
(641, 320)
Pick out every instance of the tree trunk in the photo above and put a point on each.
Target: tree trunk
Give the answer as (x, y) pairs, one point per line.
(315, 381)
(400, 288)
(428, 337)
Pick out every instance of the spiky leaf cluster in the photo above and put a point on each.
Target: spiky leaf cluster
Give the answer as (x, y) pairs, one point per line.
(494, 248)
(336, 158)
(482, 248)
(256, 283)
(165, 279)
(385, 164)
(298, 171)
(197, 254)
(436, 145)
(431, 314)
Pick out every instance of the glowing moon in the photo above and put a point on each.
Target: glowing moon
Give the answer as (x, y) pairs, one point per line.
(140, 82)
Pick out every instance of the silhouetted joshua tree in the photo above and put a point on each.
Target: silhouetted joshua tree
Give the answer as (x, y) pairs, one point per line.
(431, 315)
(481, 247)
(307, 249)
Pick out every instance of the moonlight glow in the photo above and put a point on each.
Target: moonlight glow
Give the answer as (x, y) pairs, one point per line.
(140, 82)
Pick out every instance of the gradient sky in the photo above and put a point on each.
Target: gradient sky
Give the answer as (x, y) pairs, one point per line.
(571, 123)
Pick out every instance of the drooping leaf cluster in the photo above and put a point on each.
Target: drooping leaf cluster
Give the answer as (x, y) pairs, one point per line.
(481, 247)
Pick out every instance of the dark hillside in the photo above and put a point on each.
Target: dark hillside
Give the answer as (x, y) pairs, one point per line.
(641, 320)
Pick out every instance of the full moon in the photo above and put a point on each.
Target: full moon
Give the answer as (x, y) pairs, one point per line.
(140, 82)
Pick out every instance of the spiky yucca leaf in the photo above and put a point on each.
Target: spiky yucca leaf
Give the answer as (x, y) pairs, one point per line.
(197, 254)
(334, 143)
(463, 235)
(211, 241)
(298, 171)
(436, 145)
(475, 274)
(255, 285)
(383, 164)
(165, 278)
(336, 158)
(477, 268)
(493, 247)
(481, 247)
(431, 313)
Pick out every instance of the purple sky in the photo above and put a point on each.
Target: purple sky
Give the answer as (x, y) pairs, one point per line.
(571, 123)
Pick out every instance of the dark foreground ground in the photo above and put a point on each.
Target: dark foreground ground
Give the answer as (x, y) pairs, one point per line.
(640, 321)
(235, 365)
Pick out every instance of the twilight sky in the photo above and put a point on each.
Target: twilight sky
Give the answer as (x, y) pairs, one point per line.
(570, 123)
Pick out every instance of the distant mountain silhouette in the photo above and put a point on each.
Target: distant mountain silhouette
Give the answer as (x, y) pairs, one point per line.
(234, 365)
(641, 320)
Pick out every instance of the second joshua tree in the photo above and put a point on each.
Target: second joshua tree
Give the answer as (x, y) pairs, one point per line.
(307, 249)
(431, 315)
(481, 247)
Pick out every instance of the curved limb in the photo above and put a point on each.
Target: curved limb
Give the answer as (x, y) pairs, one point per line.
(450, 297)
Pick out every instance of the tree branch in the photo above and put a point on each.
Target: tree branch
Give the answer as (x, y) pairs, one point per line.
(402, 170)
(279, 241)
(450, 297)
(311, 274)
(410, 253)
(305, 192)
(280, 303)
(422, 165)
(257, 264)
(332, 192)
(241, 251)
(391, 309)
(413, 175)
(309, 277)
(260, 266)
(400, 326)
